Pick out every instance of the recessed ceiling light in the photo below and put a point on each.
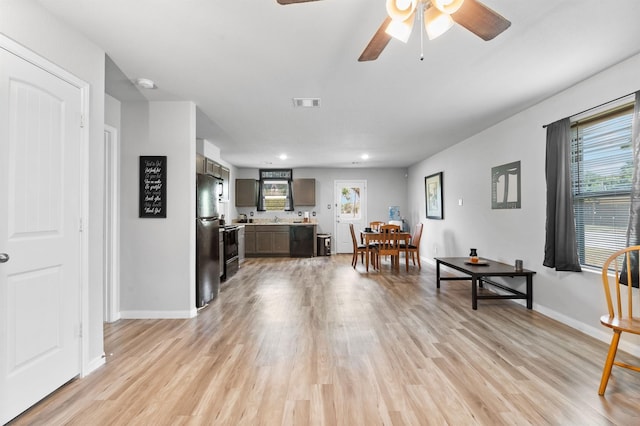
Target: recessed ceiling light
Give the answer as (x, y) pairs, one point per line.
(365, 156)
(146, 83)
(283, 156)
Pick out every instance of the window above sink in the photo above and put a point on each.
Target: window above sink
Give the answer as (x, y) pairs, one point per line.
(275, 190)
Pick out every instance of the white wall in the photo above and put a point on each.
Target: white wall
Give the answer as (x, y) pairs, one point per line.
(158, 255)
(33, 27)
(385, 187)
(112, 112)
(505, 235)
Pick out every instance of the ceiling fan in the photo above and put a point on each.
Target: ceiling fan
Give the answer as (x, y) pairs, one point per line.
(437, 16)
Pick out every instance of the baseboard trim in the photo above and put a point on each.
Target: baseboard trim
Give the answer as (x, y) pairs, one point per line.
(158, 314)
(94, 364)
(603, 335)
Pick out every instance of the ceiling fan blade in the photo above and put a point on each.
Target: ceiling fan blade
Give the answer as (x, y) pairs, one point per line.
(283, 2)
(480, 20)
(377, 44)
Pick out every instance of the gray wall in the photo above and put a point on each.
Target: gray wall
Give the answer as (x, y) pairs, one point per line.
(157, 278)
(573, 298)
(30, 25)
(385, 187)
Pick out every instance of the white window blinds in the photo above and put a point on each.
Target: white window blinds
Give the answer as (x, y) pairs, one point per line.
(601, 168)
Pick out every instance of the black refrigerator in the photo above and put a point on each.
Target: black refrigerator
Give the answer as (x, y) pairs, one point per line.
(207, 239)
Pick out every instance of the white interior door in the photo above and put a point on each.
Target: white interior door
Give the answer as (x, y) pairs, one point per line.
(351, 207)
(40, 211)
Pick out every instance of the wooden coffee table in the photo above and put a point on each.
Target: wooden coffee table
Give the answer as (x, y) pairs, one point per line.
(479, 275)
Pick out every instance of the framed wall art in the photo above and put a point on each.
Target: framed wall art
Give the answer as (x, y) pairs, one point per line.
(505, 186)
(433, 196)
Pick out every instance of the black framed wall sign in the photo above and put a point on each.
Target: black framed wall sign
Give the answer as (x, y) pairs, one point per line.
(153, 187)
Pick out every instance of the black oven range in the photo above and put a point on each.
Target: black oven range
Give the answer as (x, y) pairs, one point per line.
(231, 259)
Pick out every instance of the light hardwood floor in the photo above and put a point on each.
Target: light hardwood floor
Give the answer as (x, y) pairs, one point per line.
(315, 342)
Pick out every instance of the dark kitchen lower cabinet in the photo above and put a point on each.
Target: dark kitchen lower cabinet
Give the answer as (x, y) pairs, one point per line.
(302, 240)
(272, 240)
(276, 240)
(249, 240)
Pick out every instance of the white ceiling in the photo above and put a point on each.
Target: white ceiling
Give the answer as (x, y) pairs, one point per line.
(242, 62)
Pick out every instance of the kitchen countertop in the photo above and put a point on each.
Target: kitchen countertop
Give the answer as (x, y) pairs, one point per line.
(278, 223)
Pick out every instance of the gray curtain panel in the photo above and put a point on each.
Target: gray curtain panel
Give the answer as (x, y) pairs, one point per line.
(560, 248)
(633, 230)
(261, 206)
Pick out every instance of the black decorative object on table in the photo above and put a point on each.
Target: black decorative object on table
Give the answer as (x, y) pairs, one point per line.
(518, 265)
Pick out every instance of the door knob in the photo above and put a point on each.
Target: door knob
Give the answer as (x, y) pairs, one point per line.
(4, 257)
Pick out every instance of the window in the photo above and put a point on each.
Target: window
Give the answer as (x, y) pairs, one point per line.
(601, 173)
(274, 191)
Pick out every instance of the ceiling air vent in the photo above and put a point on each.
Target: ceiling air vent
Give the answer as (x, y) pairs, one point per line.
(306, 102)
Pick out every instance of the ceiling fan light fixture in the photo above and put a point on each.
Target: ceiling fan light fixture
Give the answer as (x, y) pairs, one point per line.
(401, 10)
(400, 30)
(447, 6)
(436, 23)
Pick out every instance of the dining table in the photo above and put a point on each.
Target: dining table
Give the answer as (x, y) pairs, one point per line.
(369, 237)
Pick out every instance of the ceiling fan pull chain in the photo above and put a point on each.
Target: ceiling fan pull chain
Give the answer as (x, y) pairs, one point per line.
(421, 26)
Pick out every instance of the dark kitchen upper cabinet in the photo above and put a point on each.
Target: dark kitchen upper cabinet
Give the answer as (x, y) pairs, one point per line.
(201, 164)
(304, 192)
(207, 166)
(246, 192)
(213, 168)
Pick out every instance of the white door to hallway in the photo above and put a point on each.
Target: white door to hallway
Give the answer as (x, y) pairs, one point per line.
(40, 211)
(351, 207)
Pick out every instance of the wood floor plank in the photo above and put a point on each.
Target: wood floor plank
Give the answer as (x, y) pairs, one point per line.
(315, 342)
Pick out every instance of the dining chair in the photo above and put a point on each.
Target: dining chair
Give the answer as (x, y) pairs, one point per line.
(387, 244)
(388, 228)
(414, 244)
(358, 248)
(620, 269)
(375, 225)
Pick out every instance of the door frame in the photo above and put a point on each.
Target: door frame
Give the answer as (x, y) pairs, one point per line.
(111, 275)
(30, 56)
